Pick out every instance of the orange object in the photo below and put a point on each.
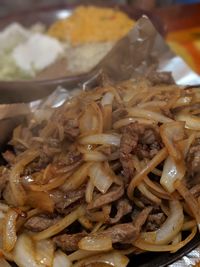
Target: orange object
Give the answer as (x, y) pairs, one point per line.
(92, 24)
(186, 43)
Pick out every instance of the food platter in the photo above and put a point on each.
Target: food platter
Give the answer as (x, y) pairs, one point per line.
(47, 16)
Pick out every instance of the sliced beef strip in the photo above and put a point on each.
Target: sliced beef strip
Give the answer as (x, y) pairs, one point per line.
(122, 233)
(154, 221)
(193, 159)
(68, 242)
(65, 200)
(38, 164)
(125, 233)
(71, 129)
(158, 78)
(123, 208)
(119, 114)
(9, 156)
(114, 194)
(68, 162)
(3, 179)
(39, 223)
(195, 190)
(140, 140)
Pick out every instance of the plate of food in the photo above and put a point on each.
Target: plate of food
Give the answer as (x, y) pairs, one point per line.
(77, 37)
(109, 177)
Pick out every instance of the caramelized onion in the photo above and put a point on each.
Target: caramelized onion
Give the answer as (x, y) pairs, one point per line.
(162, 154)
(81, 254)
(61, 260)
(60, 225)
(171, 227)
(33, 254)
(9, 230)
(142, 244)
(113, 258)
(52, 184)
(96, 243)
(123, 122)
(147, 114)
(144, 190)
(172, 171)
(40, 200)
(100, 178)
(91, 119)
(190, 200)
(44, 252)
(17, 189)
(89, 191)
(101, 139)
(191, 122)
(77, 178)
(94, 156)
(171, 133)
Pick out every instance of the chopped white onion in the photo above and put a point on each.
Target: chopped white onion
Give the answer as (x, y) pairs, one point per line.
(172, 171)
(101, 139)
(100, 178)
(191, 122)
(107, 99)
(44, 252)
(95, 243)
(123, 122)
(61, 260)
(23, 252)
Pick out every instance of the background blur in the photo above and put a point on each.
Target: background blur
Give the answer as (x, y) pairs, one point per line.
(10, 6)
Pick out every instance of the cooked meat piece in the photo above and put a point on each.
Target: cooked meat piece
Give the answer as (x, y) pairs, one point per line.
(119, 114)
(68, 162)
(68, 242)
(114, 194)
(140, 140)
(128, 144)
(195, 190)
(38, 164)
(9, 156)
(193, 159)
(3, 179)
(73, 156)
(64, 200)
(157, 78)
(71, 129)
(122, 233)
(123, 208)
(154, 221)
(40, 223)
